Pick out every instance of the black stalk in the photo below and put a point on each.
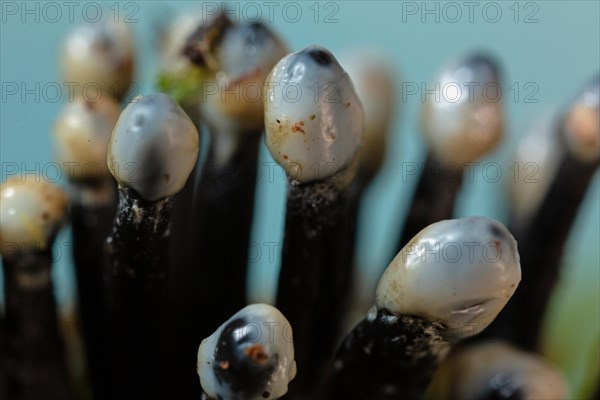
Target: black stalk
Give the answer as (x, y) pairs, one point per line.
(33, 356)
(313, 276)
(433, 199)
(137, 296)
(387, 357)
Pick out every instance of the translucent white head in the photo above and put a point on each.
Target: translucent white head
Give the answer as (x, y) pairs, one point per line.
(251, 356)
(498, 370)
(458, 272)
(464, 119)
(82, 132)
(374, 80)
(238, 57)
(536, 160)
(174, 40)
(314, 120)
(154, 147)
(581, 130)
(100, 55)
(31, 212)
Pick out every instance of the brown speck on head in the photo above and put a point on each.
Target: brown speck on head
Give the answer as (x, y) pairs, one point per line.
(167, 177)
(347, 104)
(266, 395)
(297, 127)
(224, 364)
(285, 157)
(278, 121)
(497, 245)
(89, 105)
(45, 216)
(257, 353)
(312, 117)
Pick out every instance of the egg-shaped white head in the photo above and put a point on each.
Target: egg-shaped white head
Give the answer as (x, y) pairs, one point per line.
(101, 56)
(153, 147)
(581, 131)
(82, 132)
(251, 356)
(236, 58)
(462, 118)
(458, 272)
(31, 212)
(314, 120)
(374, 80)
(496, 370)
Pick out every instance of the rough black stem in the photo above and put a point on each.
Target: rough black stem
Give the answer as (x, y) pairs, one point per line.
(541, 247)
(314, 272)
(387, 357)
(33, 356)
(92, 210)
(137, 297)
(214, 277)
(433, 199)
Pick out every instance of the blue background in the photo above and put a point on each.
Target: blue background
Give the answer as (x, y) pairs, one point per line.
(558, 51)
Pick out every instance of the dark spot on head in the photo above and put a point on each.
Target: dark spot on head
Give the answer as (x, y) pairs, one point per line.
(482, 61)
(45, 216)
(496, 231)
(89, 105)
(167, 177)
(312, 117)
(503, 387)
(278, 121)
(249, 368)
(321, 57)
(266, 395)
(139, 120)
(256, 33)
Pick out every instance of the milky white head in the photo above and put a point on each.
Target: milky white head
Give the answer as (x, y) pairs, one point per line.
(458, 272)
(581, 129)
(314, 120)
(463, 119)
(251, 356)
(82, 132)
(31, 212)
(374, 80)
(99, 56)
(154, 147)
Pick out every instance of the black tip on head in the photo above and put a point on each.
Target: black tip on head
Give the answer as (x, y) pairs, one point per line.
(497, 232)
(321, 57)
(503, 387)
(483, 61)
(255, 33)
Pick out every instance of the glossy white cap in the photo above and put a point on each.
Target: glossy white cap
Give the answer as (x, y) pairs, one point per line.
(99, 54)
(458, 272)
(485, 368)
(314, 120)
(464, 120)
(258, 340)
(154, 147)
(82, 132)
(174, 40)
(233, 98)
(31, 212)
(536, 160)
(374, 79)
(582, 125)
